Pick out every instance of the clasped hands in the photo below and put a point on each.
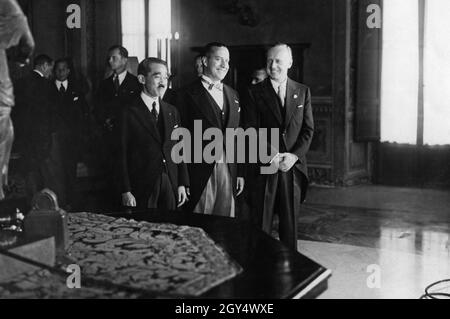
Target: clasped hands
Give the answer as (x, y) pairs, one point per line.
(284, 161)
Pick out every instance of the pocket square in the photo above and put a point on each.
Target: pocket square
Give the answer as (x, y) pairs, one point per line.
(75, 98)
(239, 109)
(300, 106)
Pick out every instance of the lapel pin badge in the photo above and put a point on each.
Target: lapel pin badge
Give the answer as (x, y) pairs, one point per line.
(295, 96)
(236, 101)
(301, 105)
(175, 126)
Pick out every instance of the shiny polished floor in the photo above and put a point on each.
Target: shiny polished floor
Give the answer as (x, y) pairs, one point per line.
(380, 242)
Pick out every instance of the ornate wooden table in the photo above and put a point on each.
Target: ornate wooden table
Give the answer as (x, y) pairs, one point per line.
(270, 270)
(252, 264)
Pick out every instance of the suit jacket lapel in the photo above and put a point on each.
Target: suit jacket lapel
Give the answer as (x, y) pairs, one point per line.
(233, 104)
(292, 95)
(203, 103)
(124, 84)
(167, 118)
(145, 117)
(270, 99)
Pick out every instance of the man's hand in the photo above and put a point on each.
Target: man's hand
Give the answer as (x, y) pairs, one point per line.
(275, 161)
(128, 200)
(182, 196)
(287, 161)
(240, 185)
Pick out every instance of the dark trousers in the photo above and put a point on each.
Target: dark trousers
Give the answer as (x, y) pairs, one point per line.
(279, 200)
(69, 159)
(46, 173)
(162, 197)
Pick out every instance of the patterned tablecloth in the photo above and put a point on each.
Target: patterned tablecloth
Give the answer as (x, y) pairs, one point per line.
(121, 258)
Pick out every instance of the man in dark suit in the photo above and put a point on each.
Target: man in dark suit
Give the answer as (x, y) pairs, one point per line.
(116, 91)
(214, 186)
(279, 102)
(36, 122)
(71, 105)
(113, 94)
(148, 176)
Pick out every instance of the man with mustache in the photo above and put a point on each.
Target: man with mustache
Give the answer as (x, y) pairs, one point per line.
(279, 102)
(148, 176)
(214, 186)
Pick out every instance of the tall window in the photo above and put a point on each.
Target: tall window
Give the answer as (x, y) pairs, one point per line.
(146, 28)
(437, 73)
(415, 90)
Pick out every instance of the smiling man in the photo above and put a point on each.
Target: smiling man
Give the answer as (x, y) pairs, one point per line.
(279, 102)
(214, 186)
(148, 176)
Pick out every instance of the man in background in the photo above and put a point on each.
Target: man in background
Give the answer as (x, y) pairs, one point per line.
(198, 65)
(36, 104)
(71, 105)
(259, 75)
(113, 94)
(116, 91)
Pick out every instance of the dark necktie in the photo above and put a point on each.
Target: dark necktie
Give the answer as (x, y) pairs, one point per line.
(62, 89)
(116, 82)
(154, 112)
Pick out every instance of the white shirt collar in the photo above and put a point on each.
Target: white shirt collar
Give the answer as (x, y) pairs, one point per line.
(209, 79)
(64, 83)
(216, 91)
(206, 81)
(39, 72)
(277, 84)
(121, 76)
(148, 101)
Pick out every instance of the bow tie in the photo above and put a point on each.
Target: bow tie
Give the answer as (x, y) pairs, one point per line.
(218, 85)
